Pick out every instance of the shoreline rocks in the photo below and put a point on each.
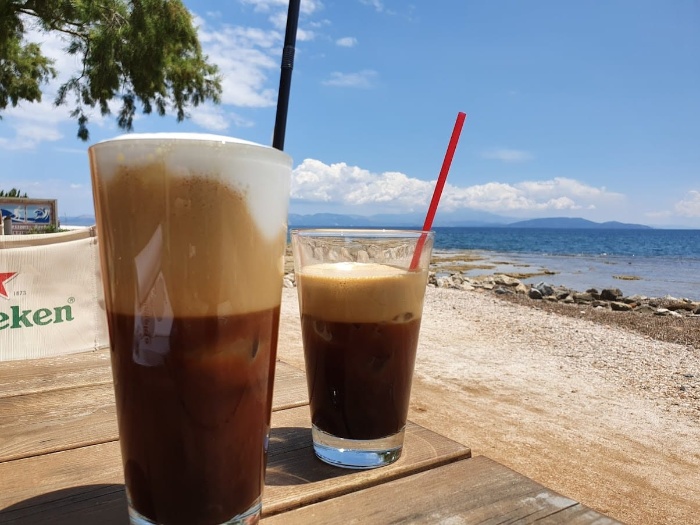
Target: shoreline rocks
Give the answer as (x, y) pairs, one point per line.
(611, 299)
(607, 298)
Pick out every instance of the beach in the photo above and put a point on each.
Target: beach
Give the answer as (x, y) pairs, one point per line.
(579, 399)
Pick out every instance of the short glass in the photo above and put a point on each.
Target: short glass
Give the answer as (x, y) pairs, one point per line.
(361, 302)
(192, 234)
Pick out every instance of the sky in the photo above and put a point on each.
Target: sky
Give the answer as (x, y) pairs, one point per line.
(574, 109)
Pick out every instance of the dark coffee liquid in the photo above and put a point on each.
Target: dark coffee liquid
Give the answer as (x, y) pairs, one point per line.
(359, 375)
(194, 428)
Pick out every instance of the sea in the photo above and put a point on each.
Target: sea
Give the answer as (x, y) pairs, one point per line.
(650, 262)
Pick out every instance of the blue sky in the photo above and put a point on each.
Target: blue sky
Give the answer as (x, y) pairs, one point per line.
(578, 109)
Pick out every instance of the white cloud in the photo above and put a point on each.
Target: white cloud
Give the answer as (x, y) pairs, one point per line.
(562, 185)
(348, 41)
(361, 79)
(217, 118)
(690, 205)
(377, 4)
(245, 60)
(306, 7)
(314, 181)
(507, 155)
(277, 10)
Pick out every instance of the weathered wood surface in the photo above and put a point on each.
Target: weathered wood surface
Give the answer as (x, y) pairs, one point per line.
(54, 373)
(57, 421)
(295, 477)
(86, 368)
(62, 483)
(50, 481)
(476, 490)
(66, 416)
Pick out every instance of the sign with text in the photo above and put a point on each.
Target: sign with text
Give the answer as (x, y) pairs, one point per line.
(29, 215)
(51, 296)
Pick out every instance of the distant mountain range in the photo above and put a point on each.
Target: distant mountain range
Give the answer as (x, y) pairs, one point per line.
(416, 221)
(332, 220)
(576, 223)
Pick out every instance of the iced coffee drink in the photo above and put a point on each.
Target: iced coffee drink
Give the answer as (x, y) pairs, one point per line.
(361, 307)
(192, 232)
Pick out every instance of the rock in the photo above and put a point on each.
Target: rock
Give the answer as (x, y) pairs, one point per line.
(645, 309)
(583, 297)
(503, 291)
(457, 279)
(524, 288)
(636, 298)
(506, 280)
(465, 286)
(600, 304)
(287, 282)
(561, 293)
(545, 289)
(680, 305)
(444, 282)
(534, 293)
(617, 306)
(594, 293)
(611, 294)
(667, 312)
(569, 299)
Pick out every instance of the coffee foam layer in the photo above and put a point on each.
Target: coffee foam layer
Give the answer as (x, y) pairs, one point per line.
(261, 174)
(182, 235)
(361, 292)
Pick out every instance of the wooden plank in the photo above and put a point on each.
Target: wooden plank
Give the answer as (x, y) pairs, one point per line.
(577, 515)
(54, 373)
(103, 504)
(52, 420)
(290, 387)
(61, 484)
(296, 478)
(56, 420)
(477, 490)
(42, 480)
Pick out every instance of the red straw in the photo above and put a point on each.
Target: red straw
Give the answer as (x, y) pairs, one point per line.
(452, 146)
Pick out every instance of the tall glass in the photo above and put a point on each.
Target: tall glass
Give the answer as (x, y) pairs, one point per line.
(192, 233)
(361, 302)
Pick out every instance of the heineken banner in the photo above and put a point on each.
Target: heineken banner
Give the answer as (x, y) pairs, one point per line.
(51, 297)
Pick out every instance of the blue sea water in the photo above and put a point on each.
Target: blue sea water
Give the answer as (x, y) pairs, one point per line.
(665, 262)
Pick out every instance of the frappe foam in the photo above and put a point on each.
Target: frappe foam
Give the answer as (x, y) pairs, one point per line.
(251, 169)
(211, 223)
(361, 292)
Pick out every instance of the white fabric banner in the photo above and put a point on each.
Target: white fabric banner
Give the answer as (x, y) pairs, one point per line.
(51, 295)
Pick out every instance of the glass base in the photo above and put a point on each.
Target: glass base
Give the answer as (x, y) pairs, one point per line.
(249, 517)
(355, 453)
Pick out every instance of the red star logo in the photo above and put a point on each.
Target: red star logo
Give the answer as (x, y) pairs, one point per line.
(4, 277)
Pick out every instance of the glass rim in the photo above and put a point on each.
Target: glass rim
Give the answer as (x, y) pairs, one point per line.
(378, 233)
(181, 139)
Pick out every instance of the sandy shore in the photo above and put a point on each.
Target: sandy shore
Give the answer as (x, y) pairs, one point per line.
(597, 412)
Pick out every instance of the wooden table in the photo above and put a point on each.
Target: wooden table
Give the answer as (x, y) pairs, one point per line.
(59, 462)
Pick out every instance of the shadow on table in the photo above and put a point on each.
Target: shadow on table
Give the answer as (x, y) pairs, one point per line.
(291, 459)
(103, 504)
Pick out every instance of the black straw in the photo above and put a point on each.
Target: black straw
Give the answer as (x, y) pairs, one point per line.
(290, 38)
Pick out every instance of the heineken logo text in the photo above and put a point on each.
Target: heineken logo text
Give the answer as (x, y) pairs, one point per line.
(16, 317)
